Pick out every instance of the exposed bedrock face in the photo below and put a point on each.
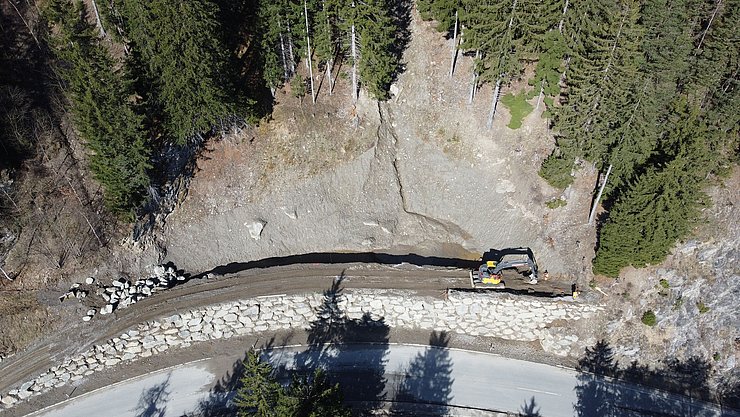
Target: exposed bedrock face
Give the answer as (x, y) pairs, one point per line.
(504, 316)
(401, 193)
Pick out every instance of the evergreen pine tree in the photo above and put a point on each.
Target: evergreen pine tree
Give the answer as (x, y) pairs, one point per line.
(327, 37)
(102, 112)
(317, 397)
(443, 11)
(376, 32)
(179, 50)
(661, 207)
(260, 394)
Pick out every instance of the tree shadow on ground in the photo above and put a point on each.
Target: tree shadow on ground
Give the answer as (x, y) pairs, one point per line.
(400, 13)
(218, 403)
(530, 409)
(597, 395)
(153, 401)
(426, 380)
(330, 337)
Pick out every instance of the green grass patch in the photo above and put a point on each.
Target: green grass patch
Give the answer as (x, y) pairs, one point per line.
(518, 107)
(555, 203)
(649, 319)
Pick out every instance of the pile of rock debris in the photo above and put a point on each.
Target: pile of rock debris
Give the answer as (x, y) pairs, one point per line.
(122, 292)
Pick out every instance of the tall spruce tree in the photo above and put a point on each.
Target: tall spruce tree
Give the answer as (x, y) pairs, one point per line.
(102, 109)
(376, 30)
(179, 50)
(492, 30)
(662, 206)
(548, 44)
(327, 37)
(261, 395)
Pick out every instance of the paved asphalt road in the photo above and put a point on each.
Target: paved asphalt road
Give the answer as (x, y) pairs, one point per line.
(462, 379)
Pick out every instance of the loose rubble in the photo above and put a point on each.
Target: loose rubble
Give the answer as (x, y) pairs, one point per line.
(122, 293)
(501, 315)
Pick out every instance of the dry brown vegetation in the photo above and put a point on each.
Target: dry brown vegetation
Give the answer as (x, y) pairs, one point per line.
(22, 320)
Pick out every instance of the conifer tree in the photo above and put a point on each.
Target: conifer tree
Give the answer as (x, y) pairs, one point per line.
(491, 30)
(327, 37)
(103, 113)
(377, 35)
(443, 11)
(662, 206)
(715, 56)
(447, 14)
(260, 394)
(548, 46)
(317, 397)
(178, 46)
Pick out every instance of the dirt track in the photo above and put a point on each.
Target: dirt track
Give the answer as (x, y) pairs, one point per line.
(198, 292)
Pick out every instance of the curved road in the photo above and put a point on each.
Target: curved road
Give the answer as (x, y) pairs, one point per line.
(462, 382)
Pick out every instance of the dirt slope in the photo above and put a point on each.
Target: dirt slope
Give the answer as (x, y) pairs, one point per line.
(420, 171)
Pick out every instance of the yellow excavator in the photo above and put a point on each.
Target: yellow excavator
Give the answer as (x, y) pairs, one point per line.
(503, 265)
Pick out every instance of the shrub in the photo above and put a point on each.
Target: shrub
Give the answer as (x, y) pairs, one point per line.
(555, 203)
(556, 171)
(648, 318)
(298, 86)
(702, 307)
(664, 283)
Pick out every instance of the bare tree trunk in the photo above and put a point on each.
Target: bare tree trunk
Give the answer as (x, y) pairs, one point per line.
(330, 61)
(308, 42)
(454, 47)
(714, 14)
(282, 51)
(92, 229)
(494, 103)
(328, 75)
(353, 40)
(539, 97)
(513, 7)
(290, 48)
(6, 274)
(565, 70)
(562, 19)
(27, 25)
(10, 198)
(98, 22)
(614, 47)
(598, 196)
(475, 79)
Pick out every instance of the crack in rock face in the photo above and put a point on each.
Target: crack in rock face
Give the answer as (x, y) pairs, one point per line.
(386, 155)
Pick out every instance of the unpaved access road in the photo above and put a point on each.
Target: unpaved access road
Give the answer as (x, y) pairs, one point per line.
(291, 279)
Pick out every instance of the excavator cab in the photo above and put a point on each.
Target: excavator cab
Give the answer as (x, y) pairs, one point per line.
(486, 275)
(515, 263)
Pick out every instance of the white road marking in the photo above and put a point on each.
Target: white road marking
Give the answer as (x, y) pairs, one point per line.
(538, 391)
